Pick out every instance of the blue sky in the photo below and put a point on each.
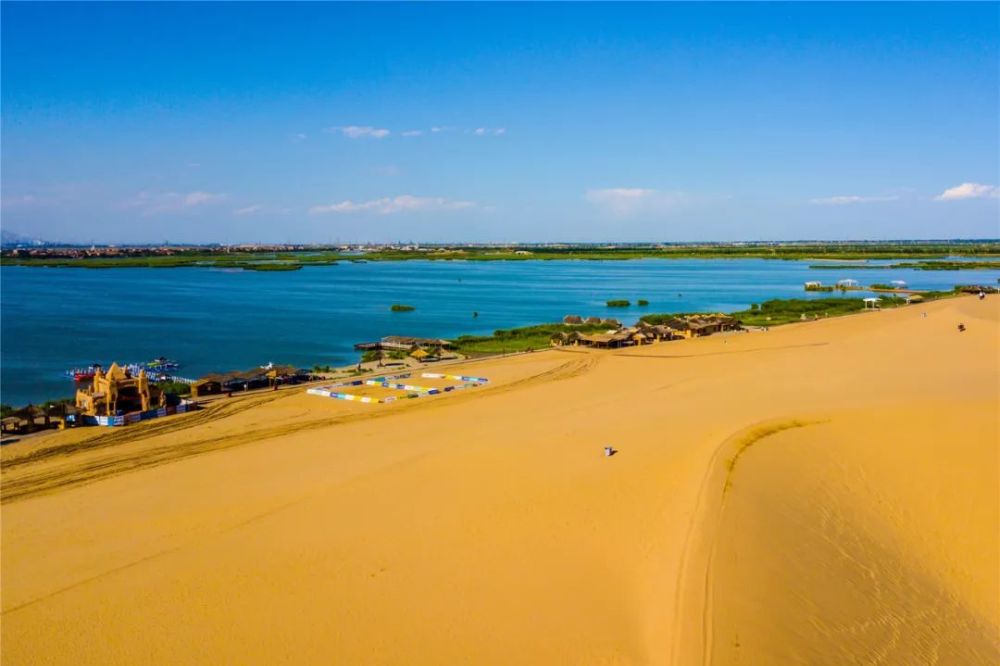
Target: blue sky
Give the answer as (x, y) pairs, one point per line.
(236, 122)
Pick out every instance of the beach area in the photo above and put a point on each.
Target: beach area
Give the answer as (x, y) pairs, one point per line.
(822, 493)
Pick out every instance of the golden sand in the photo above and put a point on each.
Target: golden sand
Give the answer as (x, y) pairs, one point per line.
(824, 493)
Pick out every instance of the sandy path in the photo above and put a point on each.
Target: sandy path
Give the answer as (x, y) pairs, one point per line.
(485, 526)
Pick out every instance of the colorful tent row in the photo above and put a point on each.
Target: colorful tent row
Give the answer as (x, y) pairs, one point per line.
(458, 378)
(402, 387)
(413, 391)
(340, 395)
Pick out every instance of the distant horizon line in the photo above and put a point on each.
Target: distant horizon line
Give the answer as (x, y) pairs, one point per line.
(29, 242)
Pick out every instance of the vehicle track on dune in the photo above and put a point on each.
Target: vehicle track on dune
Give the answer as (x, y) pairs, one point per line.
(142, 431)
(694, 576)
(122, 459)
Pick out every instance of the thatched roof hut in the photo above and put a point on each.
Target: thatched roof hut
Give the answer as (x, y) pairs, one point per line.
(283, 371)
(606, 340)
(572, 319)
(419, 354)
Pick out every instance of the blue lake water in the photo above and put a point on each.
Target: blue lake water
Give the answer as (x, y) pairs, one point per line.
(215, 320)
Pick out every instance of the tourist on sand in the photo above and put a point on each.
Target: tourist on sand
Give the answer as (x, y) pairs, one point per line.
(961, 328)
(982, 295)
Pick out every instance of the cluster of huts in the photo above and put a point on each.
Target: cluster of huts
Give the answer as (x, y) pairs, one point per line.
(30, 418)
(404, 343)
(680, 327)
(269, 376)
(422, 349)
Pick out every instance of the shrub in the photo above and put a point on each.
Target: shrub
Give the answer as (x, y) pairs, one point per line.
(174, 388)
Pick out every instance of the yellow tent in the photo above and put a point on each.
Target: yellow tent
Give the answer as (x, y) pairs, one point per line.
(419, 354)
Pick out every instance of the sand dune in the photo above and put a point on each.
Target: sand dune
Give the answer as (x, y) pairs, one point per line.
(853, 538)
(822, 493)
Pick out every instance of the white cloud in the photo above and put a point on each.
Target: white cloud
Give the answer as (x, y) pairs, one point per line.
(850, 199)
(249, 210)
(299, 136)
(622, 201)
(404, 203)
(23, 200)
(171, 202)
(489, 131)
(969, 191)
(198, 198)
(360, 131)
(367, 131)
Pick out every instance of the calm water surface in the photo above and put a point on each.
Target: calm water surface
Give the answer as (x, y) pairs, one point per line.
(213, 320)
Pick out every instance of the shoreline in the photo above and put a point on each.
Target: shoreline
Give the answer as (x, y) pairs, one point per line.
(345, 371)
(620, 552)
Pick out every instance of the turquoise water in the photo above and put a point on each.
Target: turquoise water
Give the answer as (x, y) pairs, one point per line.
(214, 320)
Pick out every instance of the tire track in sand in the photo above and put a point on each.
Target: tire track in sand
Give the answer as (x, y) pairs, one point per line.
(55, 476)
(693, 587)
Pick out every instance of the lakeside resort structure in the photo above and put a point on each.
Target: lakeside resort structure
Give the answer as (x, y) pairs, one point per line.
(117, 397)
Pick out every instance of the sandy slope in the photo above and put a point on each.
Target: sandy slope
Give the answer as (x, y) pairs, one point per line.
(822, 493)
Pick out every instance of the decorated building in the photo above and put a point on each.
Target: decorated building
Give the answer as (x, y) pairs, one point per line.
(117, 392)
